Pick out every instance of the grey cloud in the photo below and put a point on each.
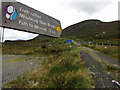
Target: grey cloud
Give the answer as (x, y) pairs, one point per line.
(89, 7)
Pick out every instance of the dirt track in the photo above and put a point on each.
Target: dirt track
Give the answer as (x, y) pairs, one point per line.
(102, 80)
(93, 63)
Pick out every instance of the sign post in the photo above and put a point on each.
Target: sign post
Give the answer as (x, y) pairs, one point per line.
(16, 15)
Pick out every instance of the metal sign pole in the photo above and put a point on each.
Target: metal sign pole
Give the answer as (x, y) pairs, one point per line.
(1, 31)
(2, 35)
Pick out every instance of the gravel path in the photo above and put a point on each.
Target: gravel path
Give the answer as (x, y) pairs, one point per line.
(10, 70)
(101, 79)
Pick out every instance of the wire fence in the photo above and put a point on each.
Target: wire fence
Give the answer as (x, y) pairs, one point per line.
(96, 43)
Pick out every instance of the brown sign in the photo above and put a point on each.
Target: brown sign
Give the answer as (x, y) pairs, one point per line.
(16, 15)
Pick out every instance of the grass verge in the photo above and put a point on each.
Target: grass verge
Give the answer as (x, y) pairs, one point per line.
(64, 69)
(111, 51)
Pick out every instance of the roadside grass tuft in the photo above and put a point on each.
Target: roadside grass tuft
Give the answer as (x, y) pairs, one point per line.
(16, 60)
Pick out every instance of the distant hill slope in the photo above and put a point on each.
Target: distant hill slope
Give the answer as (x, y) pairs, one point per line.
(92, 29)
(88, 29)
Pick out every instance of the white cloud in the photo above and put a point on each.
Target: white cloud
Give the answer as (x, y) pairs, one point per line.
(17, 35)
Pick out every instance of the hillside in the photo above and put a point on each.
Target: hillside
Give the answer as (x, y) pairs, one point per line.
(58, 64)
(93, 29)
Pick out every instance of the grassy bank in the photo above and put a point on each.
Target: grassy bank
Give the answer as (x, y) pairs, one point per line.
(64, 68)
(111, 51)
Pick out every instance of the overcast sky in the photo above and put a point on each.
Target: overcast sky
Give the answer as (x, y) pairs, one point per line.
(69, 12)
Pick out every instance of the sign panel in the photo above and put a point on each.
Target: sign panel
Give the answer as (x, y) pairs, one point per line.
(16, 15)
(68, 40)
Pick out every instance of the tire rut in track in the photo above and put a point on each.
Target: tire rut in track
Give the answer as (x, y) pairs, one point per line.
(101, 79)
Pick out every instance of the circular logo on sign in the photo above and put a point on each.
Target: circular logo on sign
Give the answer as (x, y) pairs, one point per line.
(10, 13)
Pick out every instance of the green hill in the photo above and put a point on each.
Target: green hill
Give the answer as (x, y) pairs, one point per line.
(94, 29)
